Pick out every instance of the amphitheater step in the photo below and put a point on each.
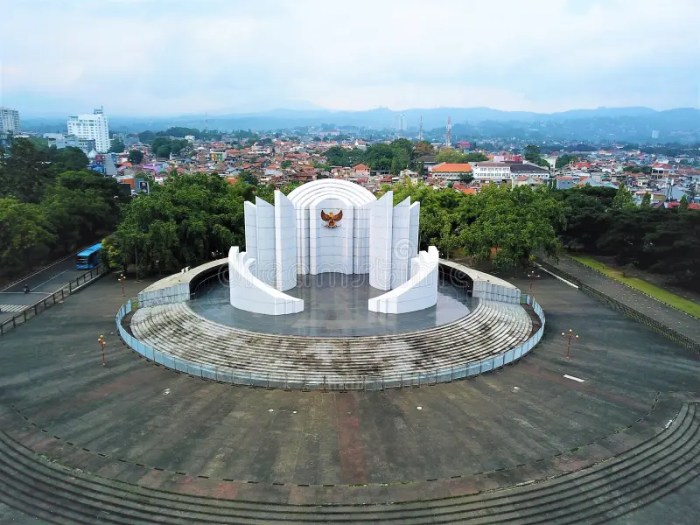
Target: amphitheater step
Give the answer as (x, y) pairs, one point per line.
(174, 329)
(638, 476)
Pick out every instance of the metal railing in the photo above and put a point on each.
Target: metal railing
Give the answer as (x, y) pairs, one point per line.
(300, 382)
(32, 310)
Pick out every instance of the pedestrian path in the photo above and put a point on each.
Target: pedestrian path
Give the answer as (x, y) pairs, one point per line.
(12, 308)
(680, 322)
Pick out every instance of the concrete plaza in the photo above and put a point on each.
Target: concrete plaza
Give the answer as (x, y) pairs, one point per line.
(150, 426)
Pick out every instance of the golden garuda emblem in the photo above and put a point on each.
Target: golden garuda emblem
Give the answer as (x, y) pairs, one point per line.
(332, 218)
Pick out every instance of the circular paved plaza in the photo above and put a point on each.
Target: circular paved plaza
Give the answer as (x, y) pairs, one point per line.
(612, 434)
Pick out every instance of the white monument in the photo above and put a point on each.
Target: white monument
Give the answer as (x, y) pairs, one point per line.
(332, 226)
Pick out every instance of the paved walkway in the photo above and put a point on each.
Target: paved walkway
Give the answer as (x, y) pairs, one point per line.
(679, 321)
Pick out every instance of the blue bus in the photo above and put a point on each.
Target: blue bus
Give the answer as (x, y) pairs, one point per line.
(89, 258)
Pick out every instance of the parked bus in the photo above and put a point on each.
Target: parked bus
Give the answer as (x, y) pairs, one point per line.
(89, 258)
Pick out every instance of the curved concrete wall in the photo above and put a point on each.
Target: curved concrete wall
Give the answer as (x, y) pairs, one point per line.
(249, 293)
(177, 287)
(418, 293)
(343, 249)
(487, 286)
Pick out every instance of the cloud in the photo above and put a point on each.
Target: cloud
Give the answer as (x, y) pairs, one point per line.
(170, 57)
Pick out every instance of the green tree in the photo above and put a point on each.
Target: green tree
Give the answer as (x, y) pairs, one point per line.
(146, 137)
(499, 224)
(512, 225)
(672, 247)
(135, 156)
(248, 177)
(181, 223)
(475, 156)
(380, 157)
(565, 160)
(339, 156)
(286, 164)
(24, 172)
(179, 131)
(67, 159)
(25, 235)
(450, 155)
(623, 198)
(586, 217)
(81, 206)
(533, 154)
(422, 148)
(117, 146)
(646, 200)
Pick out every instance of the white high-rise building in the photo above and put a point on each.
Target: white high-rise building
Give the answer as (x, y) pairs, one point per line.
(9, 120)
(91, 127)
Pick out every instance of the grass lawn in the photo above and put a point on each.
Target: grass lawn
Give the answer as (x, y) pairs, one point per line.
(657, 293)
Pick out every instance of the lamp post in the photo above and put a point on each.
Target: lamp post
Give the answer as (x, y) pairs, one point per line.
(532, 275)
(121, 280)
(570, 336)
(102, 342)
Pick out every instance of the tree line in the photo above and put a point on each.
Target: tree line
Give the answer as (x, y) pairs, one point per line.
(50, 204)
(192, 218)
(605, 221)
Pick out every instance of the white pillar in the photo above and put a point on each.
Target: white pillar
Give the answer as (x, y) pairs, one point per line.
(285, 243)
(380, 231)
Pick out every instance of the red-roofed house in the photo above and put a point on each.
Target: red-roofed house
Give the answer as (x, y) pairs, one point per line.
(463, 188)
(450, 170)
(676, 204)
(361, 170)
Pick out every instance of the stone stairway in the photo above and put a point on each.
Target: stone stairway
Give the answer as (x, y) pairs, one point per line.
(490, 329)
(636, 477)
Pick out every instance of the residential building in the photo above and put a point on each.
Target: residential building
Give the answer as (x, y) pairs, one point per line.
(60, 141)
(491, 171)
(520, 169)
(9, 121)
(361, 170)
(91, 127)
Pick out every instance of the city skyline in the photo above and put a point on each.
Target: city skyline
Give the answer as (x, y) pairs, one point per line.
(159, 58)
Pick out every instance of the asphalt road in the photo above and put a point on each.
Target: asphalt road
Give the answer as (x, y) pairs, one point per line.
(41, 285)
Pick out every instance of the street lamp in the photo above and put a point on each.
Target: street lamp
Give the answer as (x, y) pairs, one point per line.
(570, 335)
(102, 342)
(532, 275)
(121, 280)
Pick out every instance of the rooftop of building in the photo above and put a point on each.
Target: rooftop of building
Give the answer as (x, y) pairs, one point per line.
(453, 167)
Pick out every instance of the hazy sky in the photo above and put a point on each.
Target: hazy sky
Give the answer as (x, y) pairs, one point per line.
(167, 57)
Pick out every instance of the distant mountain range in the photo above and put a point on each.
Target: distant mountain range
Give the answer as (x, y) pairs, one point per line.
(617, 124)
